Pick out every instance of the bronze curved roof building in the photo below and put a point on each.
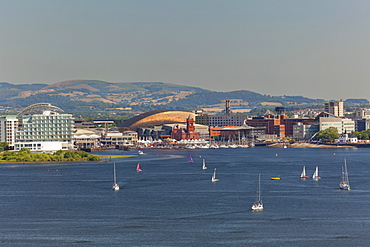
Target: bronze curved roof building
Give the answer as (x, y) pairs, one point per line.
(157, 117)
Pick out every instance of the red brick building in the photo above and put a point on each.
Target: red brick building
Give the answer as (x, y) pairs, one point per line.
(185, 134)
(279, 125)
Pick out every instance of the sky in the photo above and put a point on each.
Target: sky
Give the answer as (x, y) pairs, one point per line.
(316, 48)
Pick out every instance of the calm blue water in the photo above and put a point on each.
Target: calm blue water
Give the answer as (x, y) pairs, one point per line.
(174, 203)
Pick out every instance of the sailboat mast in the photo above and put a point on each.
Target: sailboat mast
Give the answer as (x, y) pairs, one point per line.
(259, 187)
(114, 173)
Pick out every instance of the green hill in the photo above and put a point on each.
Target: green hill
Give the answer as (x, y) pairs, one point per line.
(95, 95)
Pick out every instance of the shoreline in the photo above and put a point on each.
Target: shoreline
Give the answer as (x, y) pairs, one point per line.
(309, 145)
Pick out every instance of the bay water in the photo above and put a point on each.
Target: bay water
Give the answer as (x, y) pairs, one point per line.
(173, 202)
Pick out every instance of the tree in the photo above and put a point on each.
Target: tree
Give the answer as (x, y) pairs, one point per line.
(3, 146)
(330, 133)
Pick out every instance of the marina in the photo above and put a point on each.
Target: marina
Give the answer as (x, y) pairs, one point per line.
(174, 203)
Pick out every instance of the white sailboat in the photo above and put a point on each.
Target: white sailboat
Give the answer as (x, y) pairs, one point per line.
(303, 174)
(214, 179)
(315, 175)
(115, 185)
(204, 167)
(344, 185)
(258, 205)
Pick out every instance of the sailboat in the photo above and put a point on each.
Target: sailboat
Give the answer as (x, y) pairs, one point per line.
(138, 168)
(204, 167)
(190, 159)
(315, 175)
(258, 205)
(303, 174)
(344, 185)
(115, 185)
(214, 179)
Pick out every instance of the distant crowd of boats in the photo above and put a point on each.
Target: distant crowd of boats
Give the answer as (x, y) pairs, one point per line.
(258, 204)
(215, 146)
(344, 184)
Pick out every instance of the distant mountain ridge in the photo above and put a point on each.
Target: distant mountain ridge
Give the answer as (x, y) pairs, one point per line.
(99, 95)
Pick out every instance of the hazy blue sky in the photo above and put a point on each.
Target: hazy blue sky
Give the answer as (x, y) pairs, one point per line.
(313, 48)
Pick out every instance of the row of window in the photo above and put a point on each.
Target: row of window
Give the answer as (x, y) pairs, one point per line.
(44, 138)
(45, 129)
(52, 117)
(25, 126)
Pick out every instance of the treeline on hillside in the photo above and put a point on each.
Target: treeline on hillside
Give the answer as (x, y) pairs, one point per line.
(25, 155)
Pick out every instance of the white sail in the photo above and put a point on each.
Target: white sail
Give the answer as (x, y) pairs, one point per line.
(303, 174)
(316, 174)
(204, 167)
(214, 179)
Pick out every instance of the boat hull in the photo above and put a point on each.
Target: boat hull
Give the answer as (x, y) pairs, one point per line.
(115, 187)
(257, 207)
(344, 187)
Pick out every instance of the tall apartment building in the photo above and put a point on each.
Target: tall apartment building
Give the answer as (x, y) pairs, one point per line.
(8, 128)
(335, 108)
(46, 131)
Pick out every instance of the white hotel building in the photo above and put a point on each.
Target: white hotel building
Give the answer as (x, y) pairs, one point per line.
(44, 129)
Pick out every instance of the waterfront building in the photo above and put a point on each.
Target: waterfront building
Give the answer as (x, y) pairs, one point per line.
(347, 138)
(279, 125)
(84, 138)
(8, 129)
(155, 118)
(323, 121)
(44, 129)
(185, 134)
(220, 120)
(117, 139)
(335, 108)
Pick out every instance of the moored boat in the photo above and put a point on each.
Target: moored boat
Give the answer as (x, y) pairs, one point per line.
(344, 184)
(258, 205)
(115, 186)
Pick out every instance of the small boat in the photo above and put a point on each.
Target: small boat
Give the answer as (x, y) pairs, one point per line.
(190, 159)
(214, 179)
(115, 186)
(303, 174)
(138, 168)
(275, 178)
(140, 152)
(315, 175)
(344, 184)
(204, 167)
(258, 205)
